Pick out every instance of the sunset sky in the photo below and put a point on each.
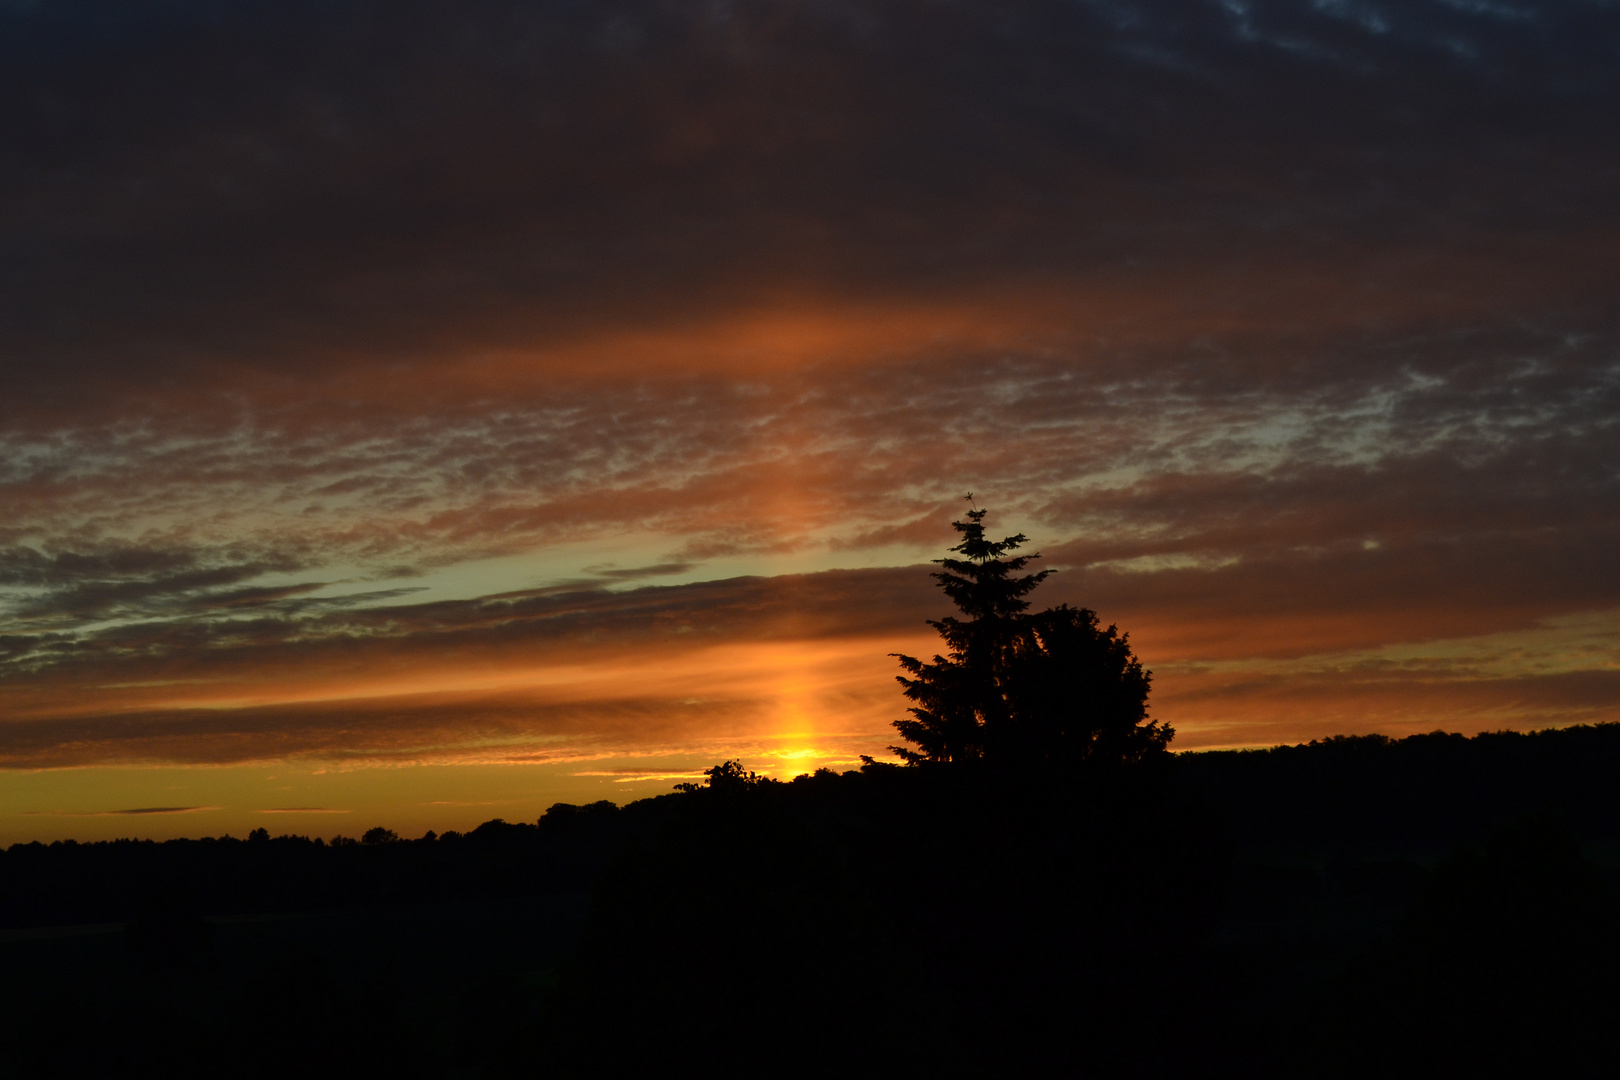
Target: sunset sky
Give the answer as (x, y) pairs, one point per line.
(418, 413)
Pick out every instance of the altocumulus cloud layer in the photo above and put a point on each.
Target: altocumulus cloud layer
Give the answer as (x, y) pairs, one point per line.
(518, 382)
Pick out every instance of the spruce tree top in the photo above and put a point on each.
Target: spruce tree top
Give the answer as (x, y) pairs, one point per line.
(982, 584)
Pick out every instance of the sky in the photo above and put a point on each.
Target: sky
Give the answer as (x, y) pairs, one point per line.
(416, 413)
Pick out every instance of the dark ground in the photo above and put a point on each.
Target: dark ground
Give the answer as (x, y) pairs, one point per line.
(1432, 906)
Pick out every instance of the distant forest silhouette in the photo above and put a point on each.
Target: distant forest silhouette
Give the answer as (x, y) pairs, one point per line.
(1042, 889)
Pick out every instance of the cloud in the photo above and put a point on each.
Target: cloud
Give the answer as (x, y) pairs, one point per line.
(200, 197)
(631, 776)
(693, 669)
(1430, 494)
(637, 573)
(302, 810)
(355, 355)
(140, 811)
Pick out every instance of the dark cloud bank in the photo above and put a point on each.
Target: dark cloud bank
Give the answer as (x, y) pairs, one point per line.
(276, 185)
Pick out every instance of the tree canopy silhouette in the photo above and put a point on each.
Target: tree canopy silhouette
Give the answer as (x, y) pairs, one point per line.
(1050, 686)
(727, 778)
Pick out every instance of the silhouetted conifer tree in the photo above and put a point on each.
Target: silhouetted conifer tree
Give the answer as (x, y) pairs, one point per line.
(1013, 686)
(957, 695)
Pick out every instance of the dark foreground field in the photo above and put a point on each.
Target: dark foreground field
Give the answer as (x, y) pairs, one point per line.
(1360, 907)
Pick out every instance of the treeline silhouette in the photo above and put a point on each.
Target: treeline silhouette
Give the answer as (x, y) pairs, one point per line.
(1424, 906)
(118, 880)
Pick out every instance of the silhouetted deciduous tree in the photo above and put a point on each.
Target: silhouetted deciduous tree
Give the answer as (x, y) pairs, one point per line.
(1075, 693)
(1019, 687)
(728, 777)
